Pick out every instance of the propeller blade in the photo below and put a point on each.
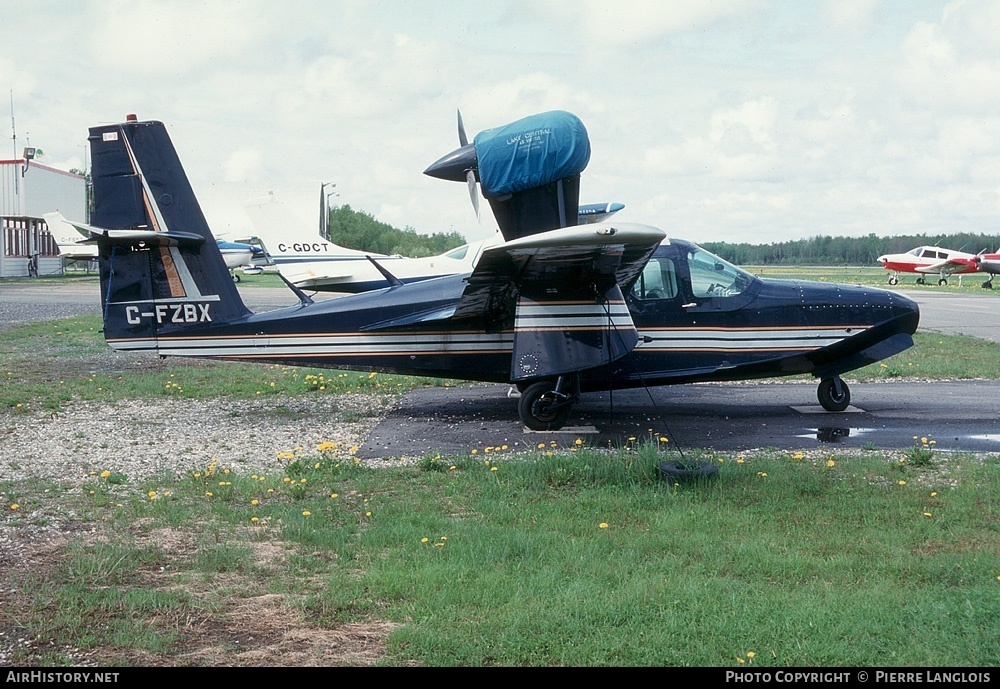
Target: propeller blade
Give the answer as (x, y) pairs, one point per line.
(471, 177)
(462, 138)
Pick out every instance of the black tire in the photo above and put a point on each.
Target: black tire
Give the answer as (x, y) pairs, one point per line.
(683, 471)
(921, 281)
(942, 282)
(893, 281)
(988, 284)
(535, 410)
(236, 278)
(828, 397)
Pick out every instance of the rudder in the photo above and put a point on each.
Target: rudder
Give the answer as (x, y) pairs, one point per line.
(161, 269)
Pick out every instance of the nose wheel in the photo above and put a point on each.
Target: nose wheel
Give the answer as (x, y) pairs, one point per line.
(833, 394)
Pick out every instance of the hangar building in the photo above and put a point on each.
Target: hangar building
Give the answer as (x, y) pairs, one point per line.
(27, 191)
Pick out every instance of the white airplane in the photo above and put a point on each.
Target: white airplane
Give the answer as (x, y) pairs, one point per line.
(309, 261)
(69, 239)
(929, 260)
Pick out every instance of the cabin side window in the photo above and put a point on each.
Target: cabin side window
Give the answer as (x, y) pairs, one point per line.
(713, 277)
(657, 281)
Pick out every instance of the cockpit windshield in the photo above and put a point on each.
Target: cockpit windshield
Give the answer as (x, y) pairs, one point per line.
(713, 277)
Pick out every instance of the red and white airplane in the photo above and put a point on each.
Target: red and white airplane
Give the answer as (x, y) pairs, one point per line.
(989, 264)
(930, 260)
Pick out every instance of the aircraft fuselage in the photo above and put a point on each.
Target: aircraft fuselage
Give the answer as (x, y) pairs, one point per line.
(698, 319)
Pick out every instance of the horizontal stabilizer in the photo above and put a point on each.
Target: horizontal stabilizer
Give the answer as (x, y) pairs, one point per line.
(96, 235)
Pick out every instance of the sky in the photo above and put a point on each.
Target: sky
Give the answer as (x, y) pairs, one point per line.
(720, 120)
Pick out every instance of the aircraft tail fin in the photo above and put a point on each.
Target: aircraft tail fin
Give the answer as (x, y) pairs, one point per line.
(284, 234)
(161, 269)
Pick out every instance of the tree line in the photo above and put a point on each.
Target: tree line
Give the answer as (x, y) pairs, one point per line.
(825, 250)
(361, 231)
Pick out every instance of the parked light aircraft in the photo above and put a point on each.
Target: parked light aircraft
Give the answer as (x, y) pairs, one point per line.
(929, 260)
(68, 238)
(989, 264)
(311, 261)
(555, 310)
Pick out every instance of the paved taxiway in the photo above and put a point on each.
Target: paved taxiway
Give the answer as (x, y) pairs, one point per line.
(959, 415)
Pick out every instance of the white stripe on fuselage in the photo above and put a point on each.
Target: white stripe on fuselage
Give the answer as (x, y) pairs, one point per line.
(472, 343)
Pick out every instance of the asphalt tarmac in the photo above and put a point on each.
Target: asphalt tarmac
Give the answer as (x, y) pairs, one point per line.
(958, 415)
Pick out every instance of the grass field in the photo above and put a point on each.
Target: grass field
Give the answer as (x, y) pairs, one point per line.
(545, 558)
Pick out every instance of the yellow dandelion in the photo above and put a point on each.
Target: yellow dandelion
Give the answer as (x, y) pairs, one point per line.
(751, 654)
(424, 540)
(830, 463)
(740, 660)
(368, 514)
(602, 525)
(254, 519)
(934, 494)
(451, 468)
(493, 468)
(541, 446)
(444, 538)
(438, 545)
(334, 495)
(15, 506)
(475, 452)
(255, 502)
(208, 493)
(928, 514)
(306, 513)
(663, 439)
(578, 441)
(152, 495)
(105, 474)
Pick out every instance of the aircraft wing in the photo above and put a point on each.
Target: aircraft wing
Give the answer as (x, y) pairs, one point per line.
(952, 265)
(562, 291)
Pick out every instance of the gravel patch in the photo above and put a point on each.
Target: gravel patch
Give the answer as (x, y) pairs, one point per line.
(145, 438)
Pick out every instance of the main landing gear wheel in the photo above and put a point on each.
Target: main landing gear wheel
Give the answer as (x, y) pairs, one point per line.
(541, 408)
(893, 280)
(921, 281)
(236, 278)
(988, 284)
(833, 394)
(942, 282)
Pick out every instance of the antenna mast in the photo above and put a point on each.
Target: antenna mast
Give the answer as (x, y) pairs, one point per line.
(13, 136)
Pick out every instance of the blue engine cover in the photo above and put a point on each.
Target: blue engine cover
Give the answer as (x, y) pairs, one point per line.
(531, 152)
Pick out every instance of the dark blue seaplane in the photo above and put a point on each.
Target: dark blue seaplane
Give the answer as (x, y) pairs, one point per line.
(556, 310)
